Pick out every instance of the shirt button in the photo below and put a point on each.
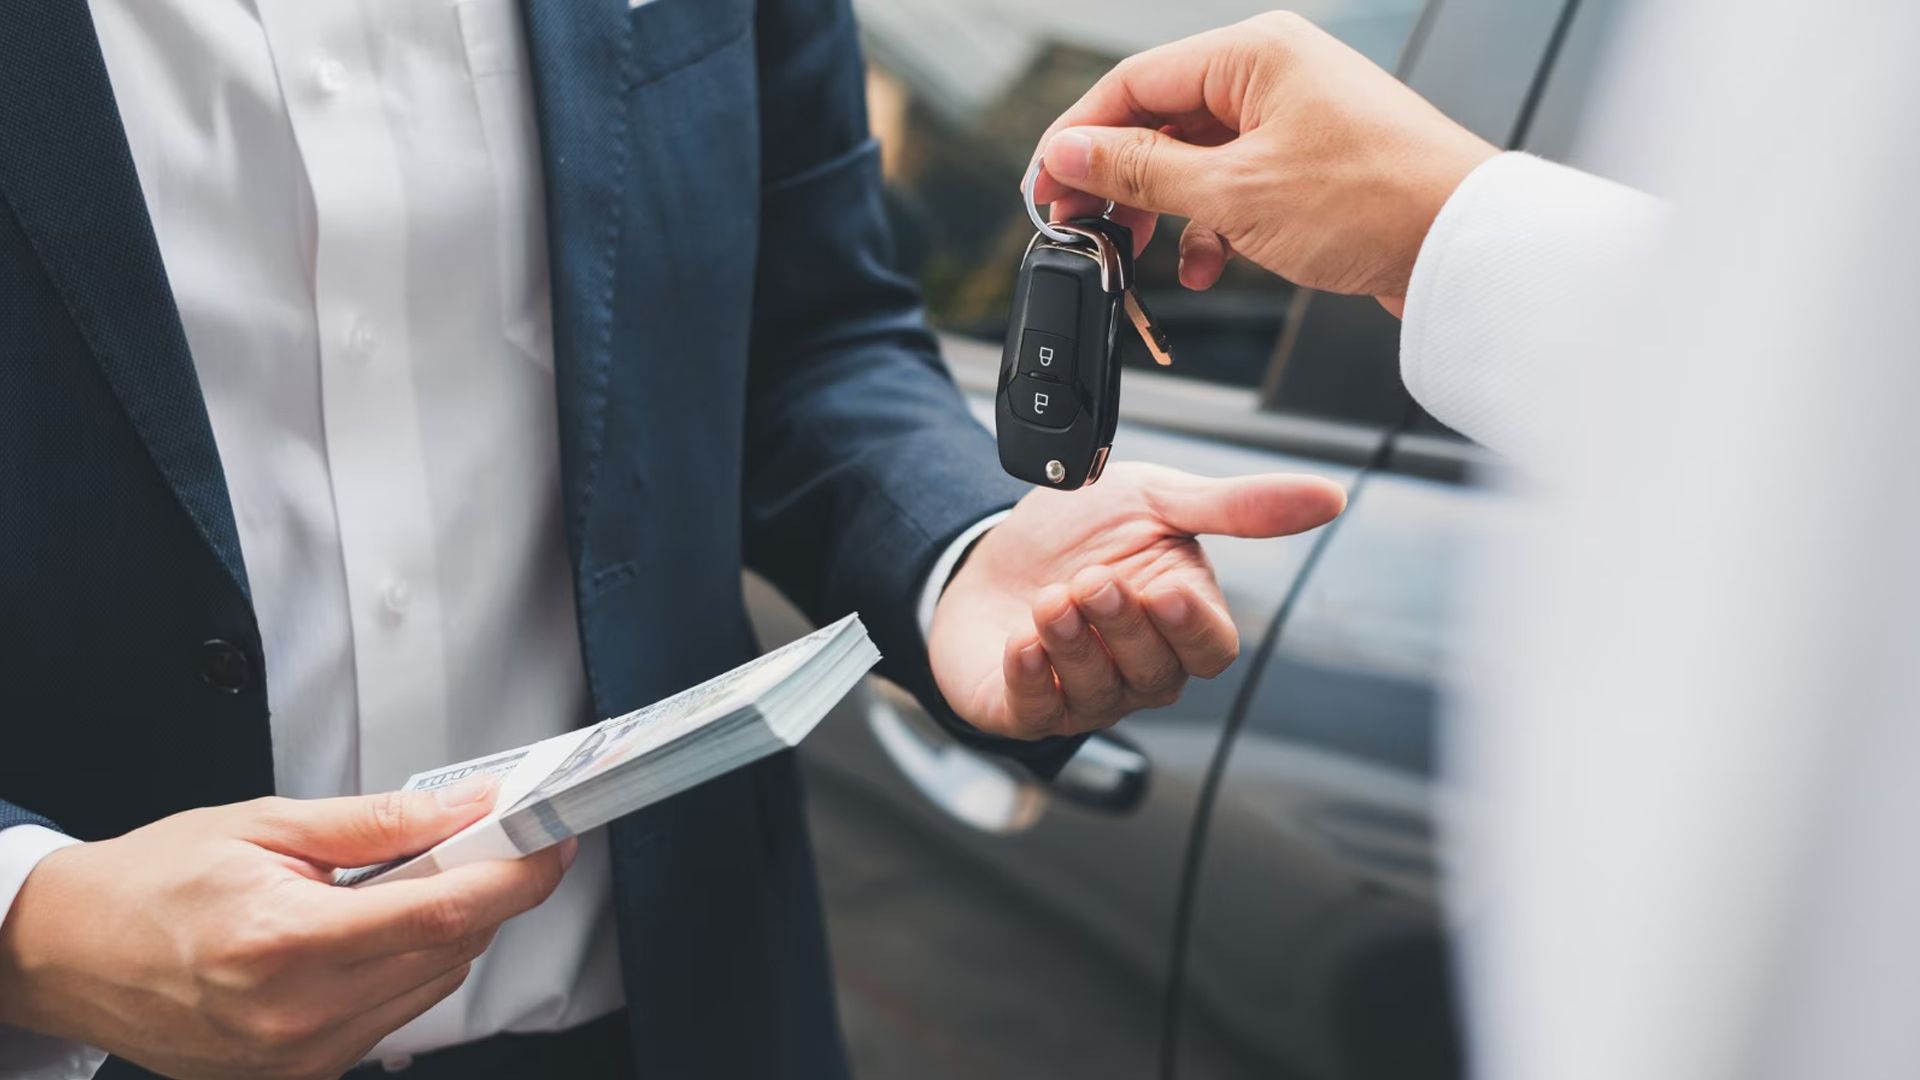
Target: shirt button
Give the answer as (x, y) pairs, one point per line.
(397, 1063)
(363, 339)
(224, 665)
(397, 597)
(330, 76)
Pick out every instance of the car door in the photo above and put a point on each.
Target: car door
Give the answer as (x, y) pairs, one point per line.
(1316, 947)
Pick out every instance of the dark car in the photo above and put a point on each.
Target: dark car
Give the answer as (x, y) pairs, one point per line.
(1246, 883)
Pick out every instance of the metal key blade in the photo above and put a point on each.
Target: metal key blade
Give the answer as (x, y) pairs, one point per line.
(1150, 332)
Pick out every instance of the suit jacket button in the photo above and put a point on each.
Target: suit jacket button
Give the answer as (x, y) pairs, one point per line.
(224, 665)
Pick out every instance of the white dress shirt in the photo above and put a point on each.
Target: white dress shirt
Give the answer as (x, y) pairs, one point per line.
(349, 202)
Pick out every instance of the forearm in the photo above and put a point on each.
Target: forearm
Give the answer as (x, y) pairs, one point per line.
(862, 461)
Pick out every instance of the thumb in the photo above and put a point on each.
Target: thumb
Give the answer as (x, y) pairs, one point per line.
(362, 829)
(1136, 167)
(1276, 504)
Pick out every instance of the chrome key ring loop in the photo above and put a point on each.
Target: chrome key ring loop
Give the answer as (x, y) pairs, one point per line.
(1040, 221)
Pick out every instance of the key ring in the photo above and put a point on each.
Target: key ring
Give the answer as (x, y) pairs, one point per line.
(1033, 210)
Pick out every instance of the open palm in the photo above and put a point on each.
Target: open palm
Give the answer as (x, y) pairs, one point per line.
(1084, 606)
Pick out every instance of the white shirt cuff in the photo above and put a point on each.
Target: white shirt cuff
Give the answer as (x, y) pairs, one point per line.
(1512, 275)
(949, 559)
(25, 1055)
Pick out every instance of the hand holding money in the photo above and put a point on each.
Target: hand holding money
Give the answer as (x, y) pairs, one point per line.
(212, 943)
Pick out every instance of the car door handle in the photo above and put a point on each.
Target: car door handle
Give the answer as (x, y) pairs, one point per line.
(1108, 773)
(968, 787)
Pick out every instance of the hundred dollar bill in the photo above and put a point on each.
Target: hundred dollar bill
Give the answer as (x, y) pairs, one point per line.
(566, 785)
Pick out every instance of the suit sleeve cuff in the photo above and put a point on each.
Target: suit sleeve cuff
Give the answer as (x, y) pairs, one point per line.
(25, 1055)
(948, 562)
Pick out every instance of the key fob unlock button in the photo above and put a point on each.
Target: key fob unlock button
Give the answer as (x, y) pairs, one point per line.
(1048, 404)
(1047, 355)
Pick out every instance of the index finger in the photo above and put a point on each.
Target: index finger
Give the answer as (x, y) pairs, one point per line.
(405, 916)
(1173, 82)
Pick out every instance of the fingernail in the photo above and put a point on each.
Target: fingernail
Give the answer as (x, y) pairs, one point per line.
(466, 792)
(1069, 624)
(1169, 607)
(1033, 659)
(1070, 156)
(1106, 602)
(569, 851)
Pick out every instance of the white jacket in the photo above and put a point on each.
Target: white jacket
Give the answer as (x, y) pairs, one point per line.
(1691, 740)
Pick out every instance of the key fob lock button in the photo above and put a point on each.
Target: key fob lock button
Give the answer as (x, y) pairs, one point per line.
(1046, 355)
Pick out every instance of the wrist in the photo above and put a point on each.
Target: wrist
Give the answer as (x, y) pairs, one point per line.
(1452, 163)
(30, 938)
(947, 568)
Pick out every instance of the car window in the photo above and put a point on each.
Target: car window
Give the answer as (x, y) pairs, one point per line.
(959, 90)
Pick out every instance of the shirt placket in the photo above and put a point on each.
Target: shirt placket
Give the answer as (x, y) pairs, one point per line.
(374, 439)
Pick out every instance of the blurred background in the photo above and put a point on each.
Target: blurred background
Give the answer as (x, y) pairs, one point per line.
(1246, 883)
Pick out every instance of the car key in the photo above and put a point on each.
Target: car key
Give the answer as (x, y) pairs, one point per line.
(1059, 390)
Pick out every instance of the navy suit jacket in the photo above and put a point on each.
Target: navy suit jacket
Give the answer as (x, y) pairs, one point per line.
(743, 380)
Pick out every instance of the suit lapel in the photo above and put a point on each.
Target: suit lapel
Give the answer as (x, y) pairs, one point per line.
(68, 176)
(583, 71)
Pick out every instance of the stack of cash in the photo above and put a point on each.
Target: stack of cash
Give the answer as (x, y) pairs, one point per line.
(571, 783)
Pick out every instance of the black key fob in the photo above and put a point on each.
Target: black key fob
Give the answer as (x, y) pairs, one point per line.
(1059, 391)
